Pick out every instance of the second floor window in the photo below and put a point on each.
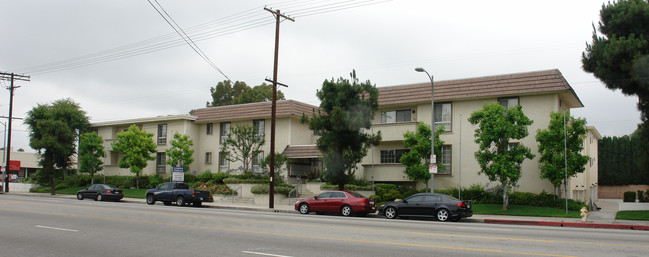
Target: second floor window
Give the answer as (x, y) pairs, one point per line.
(443, 115)
(160, 162)
(210, 128)
(259, 126)
(396, 116)
(392, 155)
(508, 102)
(225, 131)
(162, 134)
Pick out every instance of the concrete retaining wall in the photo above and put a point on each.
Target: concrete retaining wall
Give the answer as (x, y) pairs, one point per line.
(633, 206)
(20, 187)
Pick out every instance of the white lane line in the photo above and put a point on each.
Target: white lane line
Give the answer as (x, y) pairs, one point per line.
(62, 229)
(265, 254)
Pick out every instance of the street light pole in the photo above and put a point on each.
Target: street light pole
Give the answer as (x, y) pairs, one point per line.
(432, 128)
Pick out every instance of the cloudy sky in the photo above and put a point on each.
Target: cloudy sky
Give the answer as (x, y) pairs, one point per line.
(120, 59)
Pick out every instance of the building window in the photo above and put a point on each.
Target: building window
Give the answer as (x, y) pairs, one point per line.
(208, 158)
(445, 159)
(259, 126)
(224, 164)
(392, 155)
(443, 115)
(162, 134)
(210, 128)
(508, 102)
(160, 162)
(225, 131)
(396, 116)
(257, 159)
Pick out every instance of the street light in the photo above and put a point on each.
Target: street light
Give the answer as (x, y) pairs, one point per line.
(432, 128)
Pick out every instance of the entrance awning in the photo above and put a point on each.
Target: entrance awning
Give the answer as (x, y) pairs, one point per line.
(302, 152)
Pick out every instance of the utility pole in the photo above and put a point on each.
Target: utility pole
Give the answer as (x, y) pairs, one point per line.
(11, 77)
(271, 193)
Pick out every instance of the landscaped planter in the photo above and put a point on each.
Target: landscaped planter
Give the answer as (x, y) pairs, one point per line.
(626, 206)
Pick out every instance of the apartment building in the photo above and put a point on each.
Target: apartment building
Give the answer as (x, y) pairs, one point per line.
(401, 108)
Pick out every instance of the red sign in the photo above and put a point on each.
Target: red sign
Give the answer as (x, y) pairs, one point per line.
(14, 165)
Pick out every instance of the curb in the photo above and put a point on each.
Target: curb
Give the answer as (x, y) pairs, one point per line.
(567, 224)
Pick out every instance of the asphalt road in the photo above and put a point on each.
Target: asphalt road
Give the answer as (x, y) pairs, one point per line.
(34, 226)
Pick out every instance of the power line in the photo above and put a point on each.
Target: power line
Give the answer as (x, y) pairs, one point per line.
(184, 36)
(234, 23)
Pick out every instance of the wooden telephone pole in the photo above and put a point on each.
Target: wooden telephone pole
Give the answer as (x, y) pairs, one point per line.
(11, 77)
(271, 193)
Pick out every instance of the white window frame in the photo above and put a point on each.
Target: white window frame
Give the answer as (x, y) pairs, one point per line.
(208, 158)
(446, 158)
(162, 134)
(257, 159)
(209, 128)
(443, 116)
(224, 164)
(393, 116)
(260, 128)
(224, 130)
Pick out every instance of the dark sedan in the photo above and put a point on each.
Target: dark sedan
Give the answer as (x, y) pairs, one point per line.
(101, 192)
(343, 202)
(439, 206)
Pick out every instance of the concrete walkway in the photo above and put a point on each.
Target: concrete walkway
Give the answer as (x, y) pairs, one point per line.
(604, 218)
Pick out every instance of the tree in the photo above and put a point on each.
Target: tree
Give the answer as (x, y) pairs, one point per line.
(226, 93)
(180, 153)
(281, 164)
(91, 150)
(418, 158)
(346, 107)
(137, 147)
(499, 159)
(552, 148)
(242, 144)
(53, 133)
(620, 56)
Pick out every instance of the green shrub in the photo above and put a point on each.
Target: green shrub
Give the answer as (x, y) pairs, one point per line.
(348, 187)
(213, 188)
(629, 196)
(219, 177)
(189, 178)
(204, 177)
(235, 180)
(392, 195)
(409, 193)
(376, 198)
(641, 197)
(155, 181)
(265, 188)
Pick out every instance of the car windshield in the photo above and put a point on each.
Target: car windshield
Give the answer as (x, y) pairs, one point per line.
(357, 194)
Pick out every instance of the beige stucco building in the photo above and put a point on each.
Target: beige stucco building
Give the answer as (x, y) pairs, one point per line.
(400, 110)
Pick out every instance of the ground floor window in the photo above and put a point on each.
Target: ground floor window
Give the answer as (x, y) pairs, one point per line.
(160, 163)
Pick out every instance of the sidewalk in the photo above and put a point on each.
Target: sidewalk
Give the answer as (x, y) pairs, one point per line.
(604, 218)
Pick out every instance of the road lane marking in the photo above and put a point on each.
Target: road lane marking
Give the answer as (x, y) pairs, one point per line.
(265, 254)
(339, 227)
(61, 229)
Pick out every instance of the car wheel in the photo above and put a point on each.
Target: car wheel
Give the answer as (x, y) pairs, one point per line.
(197, 204)
(180, 200)
(304, 208)
(442, 215)
(79, 196)
(150, 200)
(346, 210)
(391, 213)
(99, 197)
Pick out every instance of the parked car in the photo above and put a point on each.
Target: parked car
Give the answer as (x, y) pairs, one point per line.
(101, 192)
(344, 202)
(179, 193)
(439, 206)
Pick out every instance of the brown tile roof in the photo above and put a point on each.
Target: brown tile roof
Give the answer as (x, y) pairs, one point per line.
(483, 87)
(285, 108)
(302, 151)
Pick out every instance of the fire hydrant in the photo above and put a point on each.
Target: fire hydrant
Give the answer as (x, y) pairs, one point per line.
(584, 214)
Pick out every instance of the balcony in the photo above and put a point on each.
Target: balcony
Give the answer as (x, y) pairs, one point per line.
(394, 131)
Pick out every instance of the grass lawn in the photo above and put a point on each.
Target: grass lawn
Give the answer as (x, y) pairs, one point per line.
(523, 210)
(632, 215)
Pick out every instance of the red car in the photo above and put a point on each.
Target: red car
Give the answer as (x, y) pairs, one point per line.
(344, 202)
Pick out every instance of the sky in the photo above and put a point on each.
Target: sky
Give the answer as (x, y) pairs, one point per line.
(120, 59)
